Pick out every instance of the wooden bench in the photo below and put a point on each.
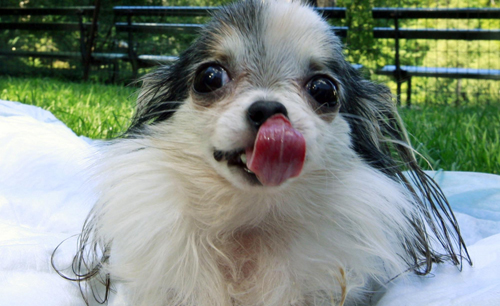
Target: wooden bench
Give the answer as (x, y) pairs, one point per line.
(86, 31)
(404, 73)
(132, 28)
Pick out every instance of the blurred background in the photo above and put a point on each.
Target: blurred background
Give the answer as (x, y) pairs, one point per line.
(448, 117)
(361, 46)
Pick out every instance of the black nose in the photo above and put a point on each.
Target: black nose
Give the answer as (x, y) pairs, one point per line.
(260, 111)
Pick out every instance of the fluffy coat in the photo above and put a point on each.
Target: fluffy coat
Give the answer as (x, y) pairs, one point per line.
(176, 226)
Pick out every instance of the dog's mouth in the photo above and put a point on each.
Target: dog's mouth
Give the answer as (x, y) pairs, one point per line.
(237, 159)
(277, 154)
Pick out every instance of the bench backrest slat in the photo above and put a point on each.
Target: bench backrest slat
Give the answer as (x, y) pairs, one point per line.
(163, 10)
(435, 13)
(340, 31)
(81, 10)
(165, 26)
(170, 11)
(332, 12)
(329, 12)
(44, 26)
(454, 34)
(157, 27)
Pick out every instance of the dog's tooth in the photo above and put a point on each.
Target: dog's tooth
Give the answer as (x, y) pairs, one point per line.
(243, 158)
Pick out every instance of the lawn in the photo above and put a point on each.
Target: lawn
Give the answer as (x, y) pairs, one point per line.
(90, 109)
(465, 138)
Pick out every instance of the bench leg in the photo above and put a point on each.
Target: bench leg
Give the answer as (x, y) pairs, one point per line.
(135, 69)
(408, 93)
(116, 66)
(398, 92)
(458, 92)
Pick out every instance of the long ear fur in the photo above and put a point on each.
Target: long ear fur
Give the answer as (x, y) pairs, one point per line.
(380, 139)
(164, 89)
(87, 266)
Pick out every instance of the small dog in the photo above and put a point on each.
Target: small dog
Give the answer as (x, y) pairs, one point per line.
(262, 169)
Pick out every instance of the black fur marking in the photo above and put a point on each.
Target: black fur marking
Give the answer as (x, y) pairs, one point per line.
(218, 155)
(166, 88)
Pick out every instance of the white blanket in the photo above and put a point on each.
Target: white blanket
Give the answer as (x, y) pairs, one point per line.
(43, 201)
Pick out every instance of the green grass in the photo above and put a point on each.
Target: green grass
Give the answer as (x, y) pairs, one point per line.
(89, 109)
(465, 138)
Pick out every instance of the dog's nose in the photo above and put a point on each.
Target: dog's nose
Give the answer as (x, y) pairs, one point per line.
(260, 111)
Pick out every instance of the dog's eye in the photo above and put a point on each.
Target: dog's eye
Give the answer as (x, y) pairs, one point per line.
(323, 90)
(210, 78)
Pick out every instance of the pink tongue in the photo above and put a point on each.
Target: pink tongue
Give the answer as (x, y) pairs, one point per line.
(278, 153)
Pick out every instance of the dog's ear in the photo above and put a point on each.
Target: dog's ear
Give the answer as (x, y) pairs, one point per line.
(161, 94)
(166, 88)
(379, 137)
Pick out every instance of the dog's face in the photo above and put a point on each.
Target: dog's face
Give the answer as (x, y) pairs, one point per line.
(264, 95)
(252, 77)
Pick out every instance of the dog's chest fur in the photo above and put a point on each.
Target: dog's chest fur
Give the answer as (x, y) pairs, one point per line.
(242, 258)
(251, 262)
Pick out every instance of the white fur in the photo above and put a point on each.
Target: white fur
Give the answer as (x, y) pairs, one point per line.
(174, 222)
(184, 230)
